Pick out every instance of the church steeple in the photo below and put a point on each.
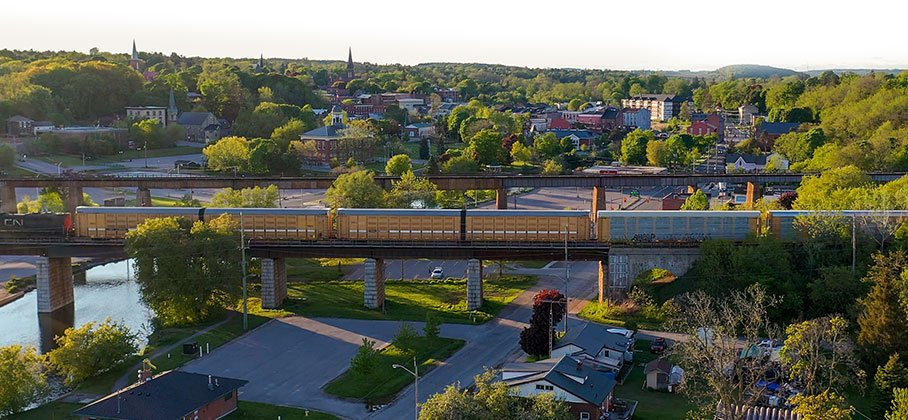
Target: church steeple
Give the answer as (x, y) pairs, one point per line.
(172, 111)
(134, 61)
(135, 52)
(350, 74)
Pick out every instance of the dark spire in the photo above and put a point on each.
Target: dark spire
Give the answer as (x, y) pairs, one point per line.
(135, 53)
(262, 61)
(350, 58)
(172, 106)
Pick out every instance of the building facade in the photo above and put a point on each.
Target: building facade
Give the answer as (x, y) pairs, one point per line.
(635, 118)
(159, 113)
(662, 107)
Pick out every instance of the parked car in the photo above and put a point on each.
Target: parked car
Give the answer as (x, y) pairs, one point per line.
(437, 273)
(658, 346)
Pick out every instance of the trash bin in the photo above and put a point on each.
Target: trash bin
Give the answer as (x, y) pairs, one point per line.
(190, 348)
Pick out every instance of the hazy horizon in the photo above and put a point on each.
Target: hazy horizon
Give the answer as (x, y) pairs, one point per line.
(665, 36)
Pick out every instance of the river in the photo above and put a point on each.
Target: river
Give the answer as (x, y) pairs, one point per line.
(107, 292)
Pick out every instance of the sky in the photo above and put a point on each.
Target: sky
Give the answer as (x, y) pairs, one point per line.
(600, 34)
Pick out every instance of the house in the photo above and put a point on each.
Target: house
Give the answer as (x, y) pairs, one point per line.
(706, 124)
(326, 138)
(635, 118)
(602, 347)
(578, 137)
(753, 163)
(560, 124)
(18, 125)
(420, 130)
(169, 395)
(159, 113)
(662, 107)
(604, 119)
(588, 391)
(746, 114)
(662, 375)
(196, 124)
(411, 104)
(767, 132)
(445, 109)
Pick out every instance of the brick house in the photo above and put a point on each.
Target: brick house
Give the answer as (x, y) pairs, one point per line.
(18, 125)
(578, 137)
(172, 395)
(589, 392)
(604, 119)
(767, 132)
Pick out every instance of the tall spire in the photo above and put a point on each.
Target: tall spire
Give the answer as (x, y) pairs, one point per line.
(135, 52)
(262, 61)
(350, 58)
(172, 106)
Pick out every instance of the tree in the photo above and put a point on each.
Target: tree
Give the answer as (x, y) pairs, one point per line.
(355, 190)
(547, 145)
(574, 104)
(307, 151)
(7, 157)
(22, 378)
(657, 154)
(149, 132)
(552, 167)
(521, 153)
(820, 355)
(633, 147)
(548, 311)
(485, 147)
(492, 400)
(787, 199)
(173, 133)
(899, 405)
(412, 192)
(432, 327)
(460, 165)
(883, 325)
(398, 165)
(827, 405)
(432, 167)
(186, 271)
(715, 373)
(892, 375)
(834, 290)
(697, 201)
(290, 131)
(366, 359)
(254, 197)
(223, 92)
(229, 153)
(91, 349)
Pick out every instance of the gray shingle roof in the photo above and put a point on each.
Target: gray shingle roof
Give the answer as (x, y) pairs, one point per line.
(755, 159)
(582, 134)
(595, 388)
(778, 127)
(592, 338)
(193, 118)
(170, 395)
(326, 131)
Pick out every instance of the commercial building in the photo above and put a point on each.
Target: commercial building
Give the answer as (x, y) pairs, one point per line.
(662, 107)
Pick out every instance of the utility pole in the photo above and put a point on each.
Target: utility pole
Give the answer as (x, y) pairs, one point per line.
(551, 329)
(854, 242)
(243, 257)
(567, 276)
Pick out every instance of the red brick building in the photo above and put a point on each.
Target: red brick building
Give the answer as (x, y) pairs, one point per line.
(703, 125)
(605, 119)
(172, 395)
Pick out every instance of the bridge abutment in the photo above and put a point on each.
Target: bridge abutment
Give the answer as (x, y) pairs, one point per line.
(474, 284)
(374, 278)
(8, 199)
(143, 197)
(54, 282)
(599, 201)
(754, 193)
(74, 198)
(617, 275)
(501, 199)
(274, 282)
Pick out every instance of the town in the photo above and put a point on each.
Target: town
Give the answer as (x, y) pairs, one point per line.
(273, 237)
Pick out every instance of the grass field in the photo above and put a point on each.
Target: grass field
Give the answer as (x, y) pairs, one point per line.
(405, 300)
(612, 314)
(51, 411)
(385, 382)
(653, 405)
(319, 269)
(76, 160)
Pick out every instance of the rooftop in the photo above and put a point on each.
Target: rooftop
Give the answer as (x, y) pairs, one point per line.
(592, 338)
(573, 376)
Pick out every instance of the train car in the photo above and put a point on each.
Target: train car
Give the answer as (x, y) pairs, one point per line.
(783, 224)
(35, 225)
(675, 226)
(115, 222)
(527, 225)
(299, 224)
(399, 224)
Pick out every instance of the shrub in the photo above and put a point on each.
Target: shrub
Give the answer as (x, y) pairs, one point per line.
(366, 358)
(432, 327)
(406, 337)
(88, 351)
(22, 380)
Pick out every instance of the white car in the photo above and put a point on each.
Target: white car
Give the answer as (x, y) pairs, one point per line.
(437, 273)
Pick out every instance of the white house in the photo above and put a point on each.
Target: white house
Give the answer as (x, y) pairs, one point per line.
(637, 118)
(604, 348)
(753, 163)
(420, 130)
(410, 104)
(588, 391)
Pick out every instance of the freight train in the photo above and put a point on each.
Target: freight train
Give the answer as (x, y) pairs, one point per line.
(311, 224)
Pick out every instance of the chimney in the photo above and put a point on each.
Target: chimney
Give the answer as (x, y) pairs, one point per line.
(579, 364)
(210, 385)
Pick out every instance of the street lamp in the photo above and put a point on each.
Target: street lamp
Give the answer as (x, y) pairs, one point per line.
(146, 153)
(59, 169)
(415, 373)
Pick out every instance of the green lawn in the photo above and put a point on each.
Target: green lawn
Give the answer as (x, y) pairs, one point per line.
(532, 264)
(255, 411)
(653, 405)
(385, 382)
(319, 269)
(405, 300)
(50, 411)
(76, 160)
(612, 314)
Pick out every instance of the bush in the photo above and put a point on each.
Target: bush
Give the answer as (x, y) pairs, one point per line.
(18, 284)
(406, 337)
(88, 351)
(366, 358)
(630, 324)
(22, 380)
(432, 327)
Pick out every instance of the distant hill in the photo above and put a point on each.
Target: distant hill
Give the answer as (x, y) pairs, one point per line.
(735, 71)
(856, 71)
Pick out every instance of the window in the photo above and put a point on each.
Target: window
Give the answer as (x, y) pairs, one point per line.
(584, 415)
(228, 396)
(544, 387)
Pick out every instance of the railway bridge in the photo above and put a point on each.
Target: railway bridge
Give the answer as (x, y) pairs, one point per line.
(74, 184)
(618, 265)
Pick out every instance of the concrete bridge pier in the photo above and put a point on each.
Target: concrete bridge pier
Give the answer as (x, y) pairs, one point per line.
(8, 199)
(143, 197)
(274, 282)
(754, 193)
(73, 198)
(55, 283)
(599, 201)
(374, 278)
(501, 199)
(617, 275)
(474, 284)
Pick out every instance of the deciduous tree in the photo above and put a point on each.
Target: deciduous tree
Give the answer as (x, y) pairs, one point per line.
(22, 378)
(398, 165)
(91, 349)
(820, 354)
(356, 190)
(254, 197)
(412, 191)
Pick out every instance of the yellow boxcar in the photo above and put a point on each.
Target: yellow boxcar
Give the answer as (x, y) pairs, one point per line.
(668, 225)
(303, 224)
(527, 225)
(115, 222)
(398, 224)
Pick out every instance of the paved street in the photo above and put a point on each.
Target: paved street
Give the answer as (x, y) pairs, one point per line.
(288, 361)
